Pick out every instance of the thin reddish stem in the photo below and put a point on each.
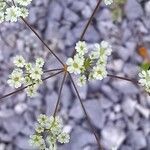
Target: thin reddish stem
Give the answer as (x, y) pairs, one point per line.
(88, 23)
(123, 78)
(59, 96)
(31, 28)
(86, 114)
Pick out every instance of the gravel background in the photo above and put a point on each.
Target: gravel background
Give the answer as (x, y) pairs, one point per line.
(118, 109)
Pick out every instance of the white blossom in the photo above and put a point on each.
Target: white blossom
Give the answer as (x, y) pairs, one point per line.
(19, 61)
(2, 17)
(64, 137)
(16, 79)
(108, 2)
(23, 2)
(32, 90)
(99, 72)
(81, 80)
(12, 14)
(23, 12)
(36, 73)
(39, 62)
(75, 65)
(145, 79)
(81, 48)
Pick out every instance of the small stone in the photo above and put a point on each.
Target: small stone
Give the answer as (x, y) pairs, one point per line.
(22, 143)
(71, 16)
(20, 108)
(123, 87)
(131, 7)
(95, 113)
(13, 125)
(144, 111)
(86, 12)
(136, 139)
(128, 106)
(112, 137)
(2, 146)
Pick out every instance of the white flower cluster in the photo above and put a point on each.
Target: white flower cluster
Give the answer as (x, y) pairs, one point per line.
(89, 65)
(12, 11)
(27, 74)
(48, 132)
(108, 2)
(145, 79)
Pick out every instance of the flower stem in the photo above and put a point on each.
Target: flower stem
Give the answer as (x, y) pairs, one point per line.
(86, 114)
(59, 96)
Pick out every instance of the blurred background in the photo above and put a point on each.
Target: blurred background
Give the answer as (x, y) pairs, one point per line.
(119, 110)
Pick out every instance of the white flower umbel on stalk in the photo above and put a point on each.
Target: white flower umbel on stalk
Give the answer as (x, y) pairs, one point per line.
(11, 12)
(81, 48)
(19, 61)
(27, 74)
(108, 2)
(75, 65)
(52, 129)
(16, 78)
(145, 79)
(89, 62)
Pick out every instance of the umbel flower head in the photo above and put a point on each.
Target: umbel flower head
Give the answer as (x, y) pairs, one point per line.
(145, 79)
(89, 62)
(49, 131)
(26, 74)
(12, 11)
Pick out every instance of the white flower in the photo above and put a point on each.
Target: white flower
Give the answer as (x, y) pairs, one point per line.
(39, 62)
(64, 137)
(12, 14)
(16, 79)
(145, 78)
(99, 72)
(105, 45)
(81, 80)
(36, 140)
(2, 5)
(2, 17)
(24, 2)
(19, 61)
(75, 65)
(23, 12)
(36, 73)
(28, 66)
(81, 48)
(108, 2)
(32, 90)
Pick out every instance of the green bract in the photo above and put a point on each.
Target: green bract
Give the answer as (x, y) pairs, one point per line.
(48, 132)
(89, 62)
(27, 74)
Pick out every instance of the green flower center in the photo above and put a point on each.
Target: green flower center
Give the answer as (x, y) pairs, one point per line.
(75, 65)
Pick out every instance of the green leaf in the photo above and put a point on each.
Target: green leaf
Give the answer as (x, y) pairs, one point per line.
(145, 66)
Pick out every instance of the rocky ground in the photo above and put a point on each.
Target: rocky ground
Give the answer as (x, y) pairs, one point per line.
(119, 110)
